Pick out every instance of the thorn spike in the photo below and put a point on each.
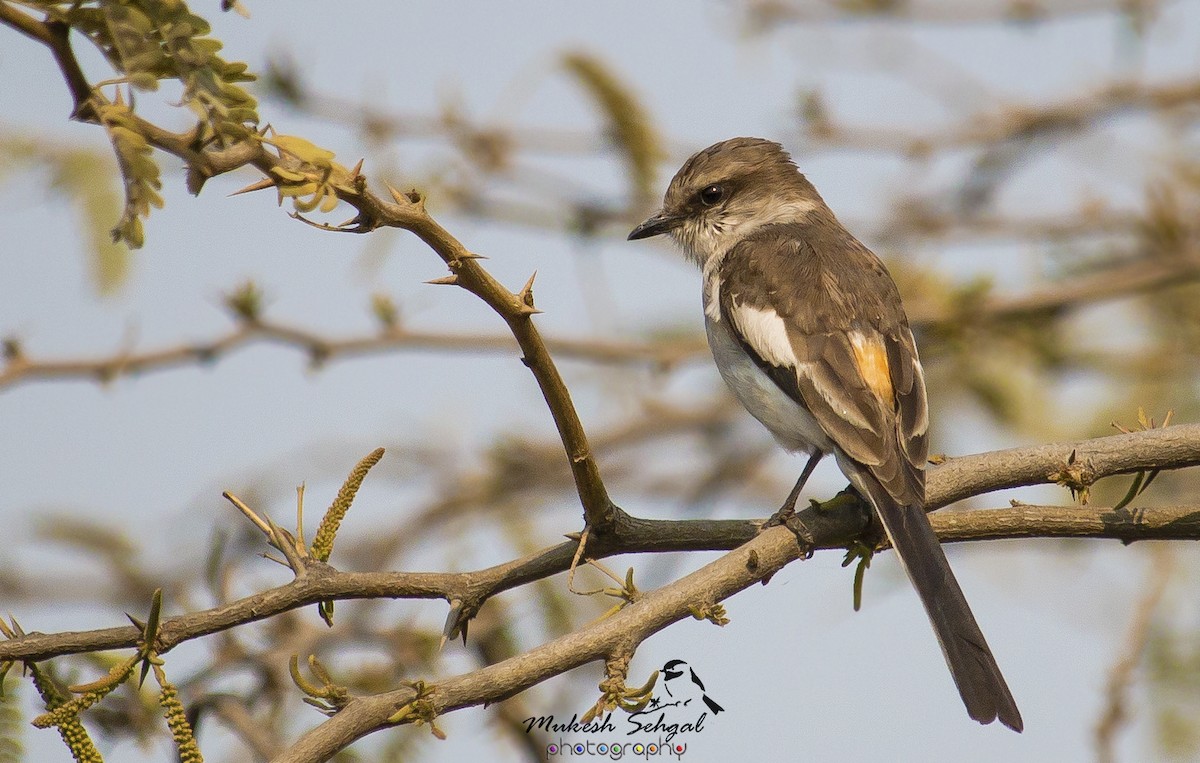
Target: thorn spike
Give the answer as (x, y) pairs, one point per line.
(399, 197)
(528, 287)
(259, 185)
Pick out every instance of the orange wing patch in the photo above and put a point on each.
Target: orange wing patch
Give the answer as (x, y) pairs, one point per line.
(871, 358)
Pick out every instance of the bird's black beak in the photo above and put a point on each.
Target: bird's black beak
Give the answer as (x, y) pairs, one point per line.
(657, 224)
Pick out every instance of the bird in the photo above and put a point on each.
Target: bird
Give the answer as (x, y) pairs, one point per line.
(673, 669)
(808, 330)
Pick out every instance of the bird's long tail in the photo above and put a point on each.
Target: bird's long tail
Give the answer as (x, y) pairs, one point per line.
(971, 663)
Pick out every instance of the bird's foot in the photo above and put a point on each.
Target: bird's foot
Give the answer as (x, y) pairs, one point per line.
(786, 517)
(781, 517)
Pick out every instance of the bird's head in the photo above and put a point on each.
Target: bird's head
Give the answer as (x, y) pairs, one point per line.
(726, 191)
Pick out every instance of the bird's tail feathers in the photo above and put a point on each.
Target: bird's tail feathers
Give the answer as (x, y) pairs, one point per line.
(971, 663)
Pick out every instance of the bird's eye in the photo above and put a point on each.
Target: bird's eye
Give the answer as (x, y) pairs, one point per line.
(711, 195)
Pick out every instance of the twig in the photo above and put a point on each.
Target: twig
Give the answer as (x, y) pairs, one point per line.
(406, 211)
(23, 369)
(1118, 281)
(960, 477)
(1018, 122)
(630, 535)
(1142, 275)
(756, 561)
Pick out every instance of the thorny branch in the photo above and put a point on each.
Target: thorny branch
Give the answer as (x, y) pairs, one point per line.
(1006, 122)
(21, 368)
(1004, 135)
(1112, 283)
(405, 211)
(960, 477)
(755, 557)
(1171, 448)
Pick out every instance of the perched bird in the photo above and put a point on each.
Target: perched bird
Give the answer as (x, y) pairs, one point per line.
(807, 329)
(674, 669)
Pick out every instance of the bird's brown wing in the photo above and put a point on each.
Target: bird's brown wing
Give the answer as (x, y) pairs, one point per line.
(829, 329)
(832, 334)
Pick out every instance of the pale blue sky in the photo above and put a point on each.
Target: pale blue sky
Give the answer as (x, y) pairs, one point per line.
(796, 669)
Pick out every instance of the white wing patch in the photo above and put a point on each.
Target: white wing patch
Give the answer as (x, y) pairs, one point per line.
(766, 333)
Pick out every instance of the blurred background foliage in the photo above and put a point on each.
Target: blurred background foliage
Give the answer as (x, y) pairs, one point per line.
(1037, 307)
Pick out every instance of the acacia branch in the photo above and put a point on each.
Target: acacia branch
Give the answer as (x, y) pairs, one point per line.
(406, 212)
(630, 535)
(755, 556)
(21, 368)
(26, 24)
(957, 478)
(754, 562)
(1171, 448)
(1008, 122)
(1121, 280)
(517, 311)
(1142, 275)
(1017, 122)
